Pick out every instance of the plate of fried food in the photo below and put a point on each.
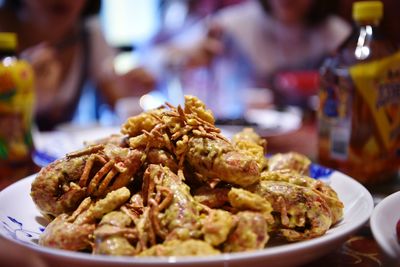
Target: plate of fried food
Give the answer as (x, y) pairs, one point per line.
(172, 190)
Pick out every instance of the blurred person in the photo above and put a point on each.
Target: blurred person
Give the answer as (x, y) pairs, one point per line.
(64, 43)
(262, 38)
(178, 15)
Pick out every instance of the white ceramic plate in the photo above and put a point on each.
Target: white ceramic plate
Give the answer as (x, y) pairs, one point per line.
(50, 146)
(21, 223)
(272, 122)
(268, 122)
(53, 145)
(383, 224)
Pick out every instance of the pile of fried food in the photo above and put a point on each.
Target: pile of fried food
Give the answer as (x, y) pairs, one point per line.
(172, 185)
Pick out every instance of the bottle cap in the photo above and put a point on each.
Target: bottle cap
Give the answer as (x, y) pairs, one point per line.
(367, 10)
(8, 40)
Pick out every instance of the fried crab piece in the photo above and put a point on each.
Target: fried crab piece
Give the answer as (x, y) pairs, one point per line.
(162, 157)
(247, 229)
(250, 233)
(114, 234)
(291, 160)
(249, 142)
(244, 200)
(217, 226)
(55, 189)
(75, 232)
(293, 177)
(144, 222)
(94, 171)
(174, 212)
(218, 160)
(190, 135)
(190, 247)
(213, 156)
(300, 212)
(215, 197)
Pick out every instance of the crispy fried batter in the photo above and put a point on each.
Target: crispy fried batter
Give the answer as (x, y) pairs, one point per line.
(173, 185)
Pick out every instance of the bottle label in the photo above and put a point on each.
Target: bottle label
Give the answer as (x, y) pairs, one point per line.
(16, 108)
(340, 139)
(377, 86)
(335, 115)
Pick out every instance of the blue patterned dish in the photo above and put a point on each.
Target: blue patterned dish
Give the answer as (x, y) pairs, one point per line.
(55, 144)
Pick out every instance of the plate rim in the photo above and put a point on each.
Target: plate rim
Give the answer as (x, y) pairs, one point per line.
(231, 257)
(291, 111)
(382, 239)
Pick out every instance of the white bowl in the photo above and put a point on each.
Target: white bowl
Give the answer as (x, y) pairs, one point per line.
(383, 224)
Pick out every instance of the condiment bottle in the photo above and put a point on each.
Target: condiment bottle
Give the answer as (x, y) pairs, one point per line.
(359, 111)
(16, 109)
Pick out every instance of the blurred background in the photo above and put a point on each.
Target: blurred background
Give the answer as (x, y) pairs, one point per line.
(138, 30)
(226, 52)
(136, 27)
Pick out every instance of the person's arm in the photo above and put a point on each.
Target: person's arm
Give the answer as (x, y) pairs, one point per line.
(194, 46)
(48, 73)
(113, 86)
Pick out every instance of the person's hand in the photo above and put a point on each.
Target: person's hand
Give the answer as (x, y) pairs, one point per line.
(210, 47)
(135, 82)
(139, 80)
(201, 54)
(45, 64)
(48, 71)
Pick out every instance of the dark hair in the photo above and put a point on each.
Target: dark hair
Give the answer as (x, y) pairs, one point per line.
(92, 7)
(320, 10)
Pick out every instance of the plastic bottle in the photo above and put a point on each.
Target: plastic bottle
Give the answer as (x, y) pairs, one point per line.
(359, 111)
(16, 109)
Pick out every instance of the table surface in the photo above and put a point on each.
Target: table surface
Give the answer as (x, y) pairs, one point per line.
(359, 250)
